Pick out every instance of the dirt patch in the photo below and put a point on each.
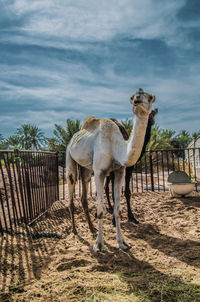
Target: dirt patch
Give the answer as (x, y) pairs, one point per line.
(50, 262)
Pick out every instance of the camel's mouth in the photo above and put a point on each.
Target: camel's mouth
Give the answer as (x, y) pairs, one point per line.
(137, 102)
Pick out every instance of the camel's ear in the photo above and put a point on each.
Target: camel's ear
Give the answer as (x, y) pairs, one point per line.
(131, 98)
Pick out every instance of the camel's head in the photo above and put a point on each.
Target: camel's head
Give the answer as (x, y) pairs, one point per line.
(142, 103)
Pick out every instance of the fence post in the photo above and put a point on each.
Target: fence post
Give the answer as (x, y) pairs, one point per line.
(57, 175)
(151, 171)
(18, 163)
(28, 190)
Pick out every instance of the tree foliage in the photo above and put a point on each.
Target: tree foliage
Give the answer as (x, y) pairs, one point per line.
(30, 137)
(160, 138)
(128, 125)
(3, 144)
(163, 138)
(62, 136)
(13, 142)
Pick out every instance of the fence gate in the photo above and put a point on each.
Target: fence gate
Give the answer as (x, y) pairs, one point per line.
(29, 185)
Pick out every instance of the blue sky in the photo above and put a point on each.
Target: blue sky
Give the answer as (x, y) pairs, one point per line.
(70, 59)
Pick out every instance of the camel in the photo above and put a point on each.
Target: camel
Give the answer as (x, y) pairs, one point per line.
(100, 148)
(129, 170)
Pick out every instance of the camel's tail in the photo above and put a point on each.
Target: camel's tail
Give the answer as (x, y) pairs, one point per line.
(71, 169)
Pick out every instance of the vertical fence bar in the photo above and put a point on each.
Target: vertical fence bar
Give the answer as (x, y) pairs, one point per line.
(91, 186)
(63, 173)
(151, 170)
(35, 179)
(145, 165)
(6, 193)
(157, 169)
(35, 203)
(163, 169)
(183, 159)
(189, 162)
(41, 180)
(19, 170)
(16, 182)
(173, 166)
(23, 169)
(167, 156)
(14, 210)
(177, 156)
(141, 170)
(4, 214)
(136, 176)
(57, 176)
(39, 184)
(194, 167)
(1, 202)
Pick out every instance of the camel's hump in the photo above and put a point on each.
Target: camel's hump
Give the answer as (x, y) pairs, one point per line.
(93, 122)
(90, 123)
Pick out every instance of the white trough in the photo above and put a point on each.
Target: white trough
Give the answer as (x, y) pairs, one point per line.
(180, 184)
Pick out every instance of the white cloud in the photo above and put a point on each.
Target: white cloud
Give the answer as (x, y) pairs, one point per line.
(93, 20)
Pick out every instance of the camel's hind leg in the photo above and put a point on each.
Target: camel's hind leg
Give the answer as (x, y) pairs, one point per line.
(71, 175)
(85, 178)
(106, 187)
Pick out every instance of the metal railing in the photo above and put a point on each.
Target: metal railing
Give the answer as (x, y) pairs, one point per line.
(29, 184)
(31, 181)
(152, 171)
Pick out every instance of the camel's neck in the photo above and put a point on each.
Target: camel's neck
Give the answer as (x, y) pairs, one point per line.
(136, 141)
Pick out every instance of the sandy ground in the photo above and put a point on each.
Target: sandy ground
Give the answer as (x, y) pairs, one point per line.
(166, 242)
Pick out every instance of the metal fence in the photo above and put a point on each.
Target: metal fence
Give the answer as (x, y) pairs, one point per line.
(31, 181)
(29, 185)
(151, 172)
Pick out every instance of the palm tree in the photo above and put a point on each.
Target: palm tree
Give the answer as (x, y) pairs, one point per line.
(128, 125)
(13, 142)
(1, 137)
(160, 138)
(195, 135)
(3, 144)
(63, 136)
(182, 140)
(31, 137)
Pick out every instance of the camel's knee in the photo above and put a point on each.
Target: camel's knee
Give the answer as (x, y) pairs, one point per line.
(100, 211)
(71, 178)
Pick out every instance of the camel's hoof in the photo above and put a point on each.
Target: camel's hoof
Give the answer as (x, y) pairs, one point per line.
(75, 231)
(124, 246)
(133, 219)
(99, 247)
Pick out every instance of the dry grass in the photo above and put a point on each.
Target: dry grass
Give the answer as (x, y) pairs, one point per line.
(51, 264)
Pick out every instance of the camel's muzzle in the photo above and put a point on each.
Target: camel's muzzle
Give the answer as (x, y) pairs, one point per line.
(137, 102)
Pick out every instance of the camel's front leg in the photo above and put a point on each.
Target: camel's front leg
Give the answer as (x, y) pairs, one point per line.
(128, 175)
(99, 179)
(119, 174)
